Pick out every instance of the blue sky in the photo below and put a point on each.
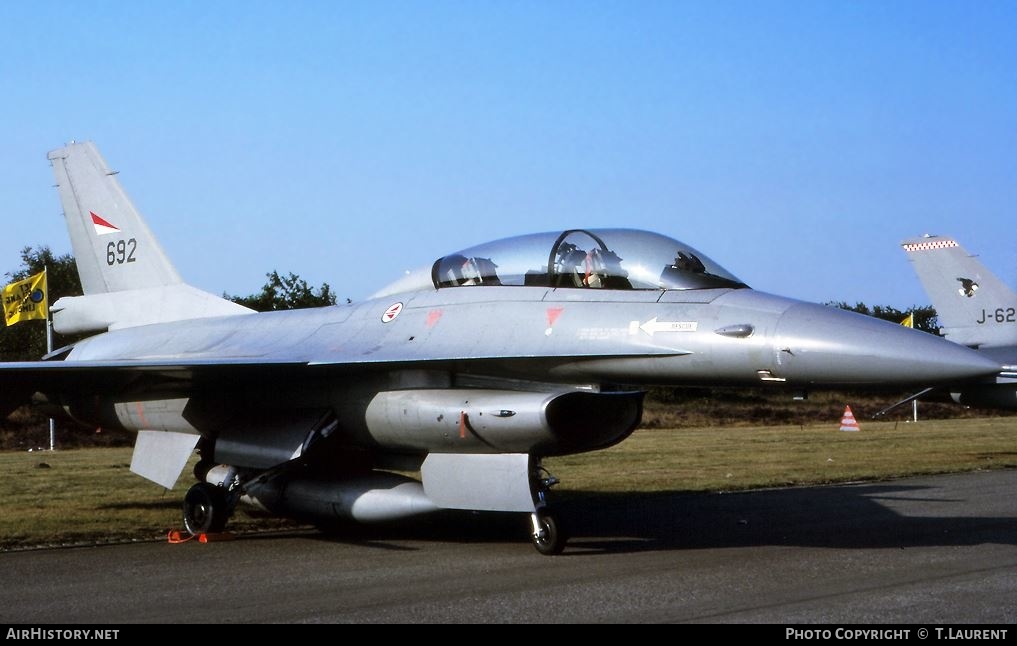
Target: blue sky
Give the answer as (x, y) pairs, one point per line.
(794, 142)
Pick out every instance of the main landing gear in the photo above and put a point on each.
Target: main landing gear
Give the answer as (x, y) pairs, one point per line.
(209, 504)
(207, 507)
(546, 534)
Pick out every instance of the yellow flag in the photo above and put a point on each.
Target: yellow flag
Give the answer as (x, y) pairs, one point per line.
(25, 299)
(909, 321)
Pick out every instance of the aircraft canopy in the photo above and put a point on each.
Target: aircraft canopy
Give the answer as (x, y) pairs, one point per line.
(583, 258)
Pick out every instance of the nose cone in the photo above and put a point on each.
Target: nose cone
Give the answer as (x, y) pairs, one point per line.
(819, 344)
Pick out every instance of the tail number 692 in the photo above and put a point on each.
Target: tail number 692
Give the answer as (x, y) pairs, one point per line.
(121, 251)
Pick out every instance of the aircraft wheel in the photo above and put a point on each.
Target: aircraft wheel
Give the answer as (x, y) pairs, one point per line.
(201, 469)
(548, 539)
(205, 509)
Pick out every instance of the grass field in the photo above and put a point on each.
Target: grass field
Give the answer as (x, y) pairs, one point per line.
(89, 496)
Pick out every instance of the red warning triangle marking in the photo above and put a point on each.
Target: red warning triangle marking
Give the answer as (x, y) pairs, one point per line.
(102, 227)
(848, 421)
(552, 315)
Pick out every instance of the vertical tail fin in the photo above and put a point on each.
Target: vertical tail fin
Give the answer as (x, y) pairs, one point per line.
(974, 306)
(125, 274)
(114, 248)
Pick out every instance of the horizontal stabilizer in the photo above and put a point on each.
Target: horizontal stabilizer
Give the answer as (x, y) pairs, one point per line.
(117, 310)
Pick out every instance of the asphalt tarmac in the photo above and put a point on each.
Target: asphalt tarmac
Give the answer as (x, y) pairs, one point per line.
(916, 551)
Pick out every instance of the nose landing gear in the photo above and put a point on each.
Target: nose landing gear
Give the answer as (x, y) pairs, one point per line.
(546, 534)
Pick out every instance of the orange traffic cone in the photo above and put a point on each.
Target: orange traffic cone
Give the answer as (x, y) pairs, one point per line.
(848, 421)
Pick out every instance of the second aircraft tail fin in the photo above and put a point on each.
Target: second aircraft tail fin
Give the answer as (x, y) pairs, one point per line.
(974, 306)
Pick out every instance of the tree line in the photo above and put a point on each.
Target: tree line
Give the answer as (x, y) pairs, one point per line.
(925, 319)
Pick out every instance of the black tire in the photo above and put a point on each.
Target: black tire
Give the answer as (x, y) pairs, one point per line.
(205, 509)
(201, 469)
(552, 542)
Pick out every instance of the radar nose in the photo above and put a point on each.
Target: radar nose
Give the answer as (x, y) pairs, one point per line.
(816, 343)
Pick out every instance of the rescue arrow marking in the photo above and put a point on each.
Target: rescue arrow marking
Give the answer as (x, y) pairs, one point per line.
(653, 325)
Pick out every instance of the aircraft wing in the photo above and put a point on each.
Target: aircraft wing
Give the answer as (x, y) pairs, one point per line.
(19, 380)
(100, 376)
(182, 367)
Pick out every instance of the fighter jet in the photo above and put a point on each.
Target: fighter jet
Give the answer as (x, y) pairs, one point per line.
(976, 309)
(469, 371)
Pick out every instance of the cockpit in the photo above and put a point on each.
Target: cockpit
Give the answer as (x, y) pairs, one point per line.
(584, 259)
